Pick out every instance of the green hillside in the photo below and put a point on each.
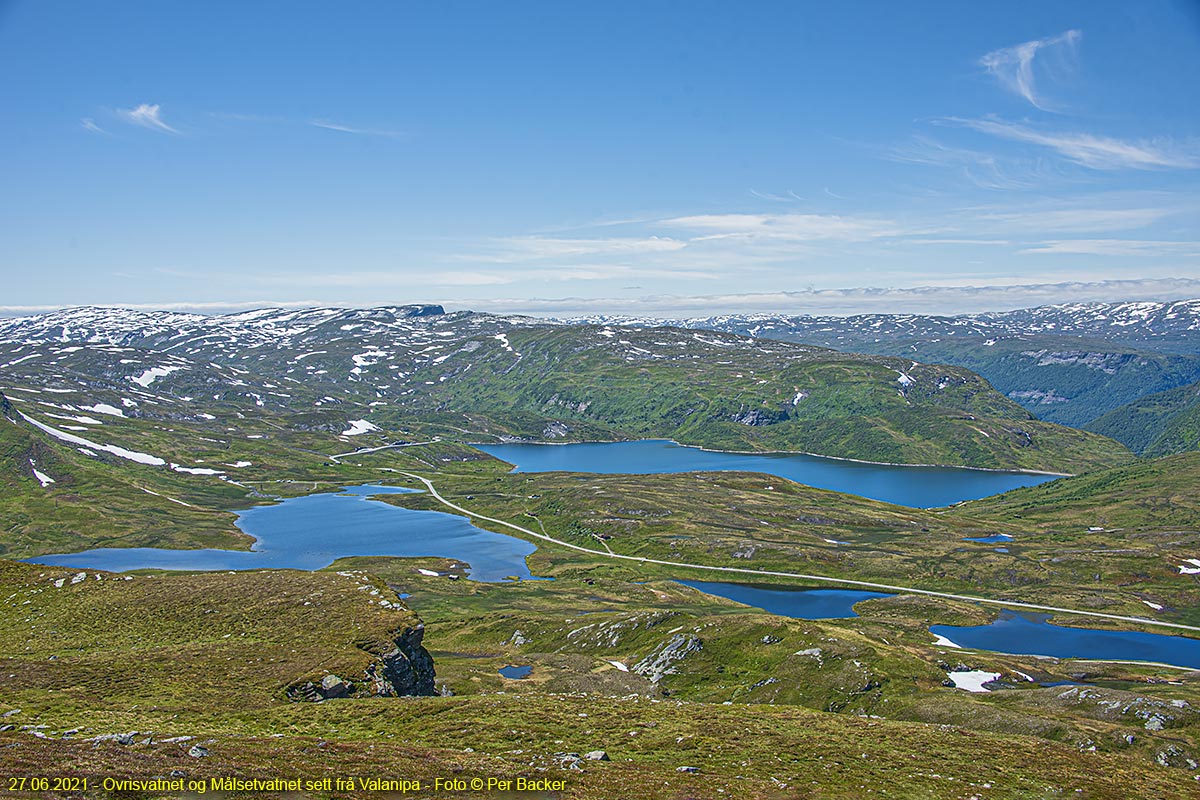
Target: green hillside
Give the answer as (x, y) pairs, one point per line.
(735, 393)
(1157, 424)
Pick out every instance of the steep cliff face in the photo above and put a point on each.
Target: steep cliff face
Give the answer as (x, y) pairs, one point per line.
(406, 669)
(401, 667)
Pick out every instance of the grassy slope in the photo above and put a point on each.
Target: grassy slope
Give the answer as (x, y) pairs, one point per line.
(850, 406)
(1075, 380)
(99, 503)
(167, 668)
(185, 643)
(106, 501)
(1157, 424)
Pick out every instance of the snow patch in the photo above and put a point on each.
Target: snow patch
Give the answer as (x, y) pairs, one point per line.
(44, 479)
(942, 641)
(1192, 570)
(151, 375)
(132, 455)
(105, 408)
(1155, 606)
(359, 426)
(619, 666)
(195, 470)
(973, 680)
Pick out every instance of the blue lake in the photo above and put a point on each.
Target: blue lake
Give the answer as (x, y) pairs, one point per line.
(918, 487)
(1016, 633)
(1031, 634)
(798, 603)
(312, 532)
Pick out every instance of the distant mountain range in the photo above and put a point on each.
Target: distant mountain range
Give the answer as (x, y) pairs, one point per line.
(486, 377)
(1168, 325)
(1066, 363)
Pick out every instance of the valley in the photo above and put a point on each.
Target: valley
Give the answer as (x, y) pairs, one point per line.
(187, 434)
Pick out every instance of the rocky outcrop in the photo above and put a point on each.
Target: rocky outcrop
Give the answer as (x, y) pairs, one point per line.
(406, 669)
(755, 417)
(661, 662)
(402, 667)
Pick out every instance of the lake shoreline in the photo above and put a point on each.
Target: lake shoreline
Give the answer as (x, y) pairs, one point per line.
(480, 445)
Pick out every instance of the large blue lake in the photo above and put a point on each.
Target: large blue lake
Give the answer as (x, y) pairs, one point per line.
(918, 487)
(1017, 633)
(312, 532)
(1030, 634)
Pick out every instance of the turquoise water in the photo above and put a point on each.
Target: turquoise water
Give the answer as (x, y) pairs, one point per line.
(312, 532)
(918, 487)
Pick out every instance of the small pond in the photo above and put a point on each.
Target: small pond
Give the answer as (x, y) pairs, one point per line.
(799, 603)
(515, 673)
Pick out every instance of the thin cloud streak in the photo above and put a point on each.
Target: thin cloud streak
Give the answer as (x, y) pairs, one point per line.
(1013, 66)
(1116, 247)
(794, 227)
(342, 128)
(1094, 152)
(985, 170)
(146, 115)
(89, 124)
(1076, 220)
(940, 300)
(521, 248)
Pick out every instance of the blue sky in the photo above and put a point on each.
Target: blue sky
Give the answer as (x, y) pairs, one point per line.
(557, 158)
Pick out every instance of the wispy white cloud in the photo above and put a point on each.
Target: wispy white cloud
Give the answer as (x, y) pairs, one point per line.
(792, 227)
(1083, 219)
(841, 302)
(89, 124)
(523, 248)
(985, 170)
(146, 115)
(1096, 152)
(343, 128)
(1013, 66)
(1116, 247)
(966, 242)
(790, 197)
(213, 307)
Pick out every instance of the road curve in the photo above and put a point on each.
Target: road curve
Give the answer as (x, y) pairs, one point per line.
(822, 578)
